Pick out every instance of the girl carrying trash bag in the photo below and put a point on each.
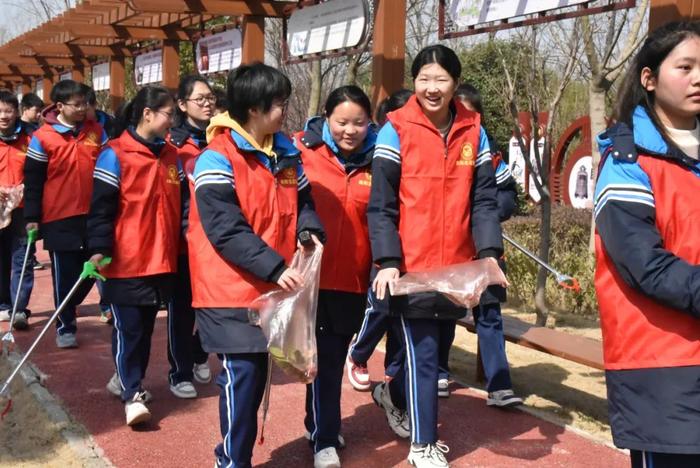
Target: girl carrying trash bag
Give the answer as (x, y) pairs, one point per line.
(251, 202)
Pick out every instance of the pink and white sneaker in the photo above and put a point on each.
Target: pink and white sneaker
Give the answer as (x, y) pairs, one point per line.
(357, 375)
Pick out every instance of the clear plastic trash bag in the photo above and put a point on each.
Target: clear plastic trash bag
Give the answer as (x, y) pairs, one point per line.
(462, 283)
(288, 319)
(10, 198)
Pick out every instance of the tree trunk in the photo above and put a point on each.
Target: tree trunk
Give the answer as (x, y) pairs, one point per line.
(545, 242)
(353, 68)
(596, 111)
(315, 96)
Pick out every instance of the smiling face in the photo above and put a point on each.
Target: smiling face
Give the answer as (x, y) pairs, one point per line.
(434, 90)
(8, 118)
(677, 86)
(74, 110)
(157, 122)
(348, 124)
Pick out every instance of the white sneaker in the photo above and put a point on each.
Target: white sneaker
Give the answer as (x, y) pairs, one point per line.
(503, 399)
(397, 419)
(341, 439)
(67, 340)
(115, 388)
(202, 373)
(136, 410)
(5, 315)
(326, 458)
(428, 455)
(443, 388)
(184, 390)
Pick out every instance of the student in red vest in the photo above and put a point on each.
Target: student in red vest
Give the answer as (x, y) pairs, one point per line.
(433, 204)
(195, 107)
(252, 200)
(336, 151)
(135, 218)
(58, 186)
(14, 139)
(648, 253)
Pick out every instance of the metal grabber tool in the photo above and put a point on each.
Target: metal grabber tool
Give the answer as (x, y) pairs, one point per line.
(565, 281)
(8, 339)
(89, 271)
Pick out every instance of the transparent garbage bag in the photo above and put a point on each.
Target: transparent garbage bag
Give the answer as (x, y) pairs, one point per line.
(10, 198)
(288, 319)
(462, 283)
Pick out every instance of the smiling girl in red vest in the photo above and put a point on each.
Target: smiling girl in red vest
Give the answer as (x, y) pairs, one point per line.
(337, 154)
(135, 217)
(252, 200)
(188, 361)
(433, 204)
(648, 253)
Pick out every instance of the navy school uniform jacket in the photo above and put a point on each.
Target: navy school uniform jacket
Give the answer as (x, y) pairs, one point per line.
(648, 287)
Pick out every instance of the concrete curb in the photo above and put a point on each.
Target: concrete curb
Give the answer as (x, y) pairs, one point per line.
(89, 454)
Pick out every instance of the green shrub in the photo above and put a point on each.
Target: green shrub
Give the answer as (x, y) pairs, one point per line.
(568, 254)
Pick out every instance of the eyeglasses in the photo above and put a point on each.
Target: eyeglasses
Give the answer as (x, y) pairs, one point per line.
(77, 106)
(201, 101)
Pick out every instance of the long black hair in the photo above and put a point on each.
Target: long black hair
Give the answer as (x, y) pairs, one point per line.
(656, 48)
(184, 91)
(130, 114)
(469, 93)
(393, 102)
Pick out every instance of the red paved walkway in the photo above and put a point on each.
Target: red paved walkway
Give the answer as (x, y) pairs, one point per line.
(183, 433)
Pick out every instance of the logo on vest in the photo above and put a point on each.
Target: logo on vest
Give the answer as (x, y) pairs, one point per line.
(466, 158)
(173, 177)
(22, 151)
(288, 176)
(366, 179)
(92, 139)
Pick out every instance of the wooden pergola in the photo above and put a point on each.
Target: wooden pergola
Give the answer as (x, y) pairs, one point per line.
(99, 30)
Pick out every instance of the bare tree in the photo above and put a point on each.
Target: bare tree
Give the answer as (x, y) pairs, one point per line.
(545, 92)
(606, 58)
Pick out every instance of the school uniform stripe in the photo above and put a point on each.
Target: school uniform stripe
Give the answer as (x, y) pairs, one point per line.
(106, 177)
(302, 181)
(484, 158)
(412, 383)
(120, 345)
(171, 339)
(387, 152)
(230, 401)
(369, 312)
(626, 193)
(37, 156)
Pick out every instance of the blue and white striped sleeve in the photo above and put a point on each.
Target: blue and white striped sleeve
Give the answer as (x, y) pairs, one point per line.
(36, 151)
(484, 153)
(180, 171)
(388, 146)
(622, 181)
(212, 168)
(502, 173)
(107, 168)
(302, 180)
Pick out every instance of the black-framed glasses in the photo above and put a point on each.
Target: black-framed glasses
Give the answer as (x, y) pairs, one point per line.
(201, 101)
(77, 106)
(169, 115)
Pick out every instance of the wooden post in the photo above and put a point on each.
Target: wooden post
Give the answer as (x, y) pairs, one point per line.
(663, 11)
(388, 49)
(253, 39)
(78, 73)
(117, 77)
(47, 86)
(26, 87)
(171, 64)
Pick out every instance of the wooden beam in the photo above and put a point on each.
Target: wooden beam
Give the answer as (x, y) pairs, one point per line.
(49, 50)
(171, 65)
(44, 61)
(212, 7)
(388, 49)
(117, 79)
(100, 31)
(253, 39)
(663, 11)
(47, 86)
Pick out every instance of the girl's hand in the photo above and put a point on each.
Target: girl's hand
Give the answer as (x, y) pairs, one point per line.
(290, 280)
(382, 280)
(96, 259)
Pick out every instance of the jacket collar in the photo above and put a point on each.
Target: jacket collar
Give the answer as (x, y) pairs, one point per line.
(625, 143)
(154, 148)
(14, 136)
(413, 112)
(180, 134)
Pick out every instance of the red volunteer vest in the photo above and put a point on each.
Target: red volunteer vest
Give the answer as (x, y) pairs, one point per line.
(187, 153)
(269, 204)
(341, 201)
(147, 226)
(639, 332)
(435, 188)
(12, 156)
(68, 186)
